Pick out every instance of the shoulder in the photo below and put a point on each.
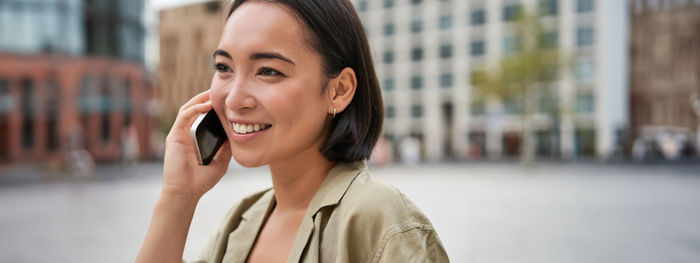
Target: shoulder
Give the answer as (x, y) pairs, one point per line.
(370, 197)
(381, 216)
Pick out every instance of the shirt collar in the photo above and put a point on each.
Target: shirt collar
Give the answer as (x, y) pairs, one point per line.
(333, 188)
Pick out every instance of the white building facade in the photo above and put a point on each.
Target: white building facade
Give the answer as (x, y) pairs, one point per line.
(425, 51)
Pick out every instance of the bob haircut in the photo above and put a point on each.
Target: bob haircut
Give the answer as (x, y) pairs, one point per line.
(335, 32)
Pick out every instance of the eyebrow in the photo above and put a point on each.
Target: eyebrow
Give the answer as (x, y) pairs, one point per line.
(257, 56)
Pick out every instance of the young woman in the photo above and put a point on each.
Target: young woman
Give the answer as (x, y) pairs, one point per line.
(295, 89)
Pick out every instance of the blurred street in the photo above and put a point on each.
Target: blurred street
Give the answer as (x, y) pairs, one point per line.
(486, 212)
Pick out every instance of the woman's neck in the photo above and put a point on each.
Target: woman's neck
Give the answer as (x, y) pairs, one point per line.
(297, 179)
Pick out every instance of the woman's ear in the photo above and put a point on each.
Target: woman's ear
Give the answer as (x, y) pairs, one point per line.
(342, 90)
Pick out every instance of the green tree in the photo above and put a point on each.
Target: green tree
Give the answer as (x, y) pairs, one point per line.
(523, 76)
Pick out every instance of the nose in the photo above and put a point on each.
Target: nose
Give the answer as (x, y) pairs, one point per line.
(239, 98)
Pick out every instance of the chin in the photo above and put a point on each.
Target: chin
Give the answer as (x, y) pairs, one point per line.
(247, 162)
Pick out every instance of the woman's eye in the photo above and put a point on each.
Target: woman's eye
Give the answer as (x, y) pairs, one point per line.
(222, 68)
(269, 72)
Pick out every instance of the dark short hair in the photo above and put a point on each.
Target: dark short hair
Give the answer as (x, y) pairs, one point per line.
(334, 30)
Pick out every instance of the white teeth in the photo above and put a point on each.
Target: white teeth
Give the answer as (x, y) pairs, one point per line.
(248, 128)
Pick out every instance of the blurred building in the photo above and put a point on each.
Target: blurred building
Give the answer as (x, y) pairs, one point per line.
(425, 51)
(189, 36)
(72, 77)
(665, 72)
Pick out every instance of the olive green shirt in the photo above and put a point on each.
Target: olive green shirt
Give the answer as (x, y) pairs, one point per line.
(353, 217)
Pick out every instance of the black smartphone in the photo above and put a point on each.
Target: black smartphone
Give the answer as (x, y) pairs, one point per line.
(207, 135)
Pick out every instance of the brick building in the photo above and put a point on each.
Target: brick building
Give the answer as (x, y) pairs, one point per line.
(664, 66)
(72, 76)
(49, 98)
(188, 37)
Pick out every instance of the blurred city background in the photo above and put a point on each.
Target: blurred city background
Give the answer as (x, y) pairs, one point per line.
(527, 130)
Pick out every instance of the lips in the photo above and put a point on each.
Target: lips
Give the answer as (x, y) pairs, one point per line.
(245, 128)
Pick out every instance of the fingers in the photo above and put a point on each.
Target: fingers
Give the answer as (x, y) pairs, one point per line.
(187, 116)
(197, 99)
(223, 157)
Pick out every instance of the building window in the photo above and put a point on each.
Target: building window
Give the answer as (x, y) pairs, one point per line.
(445, 22)
(416, 25)
(478, 48)
(363, 5)
(547, 7)
(584, 103)
(446, 51)
(388, 3)
(548, 103)
(389, 112)
(388, 57)
(446, 81)
(389, 84)
(585, 70)
(583, 6)
(417, 111)
(27, 113)
(417, 54)
(87, 100)
(511, 12)
(5, 99)
(448, 113)
(478, 17)
(511, 44)
(127, 102)
(106, 101)
(584, 36)
(513, 106)
(548, 40)
(5, 107)
(389, 29)
(584, 142)
(417, 82)
(52, 113)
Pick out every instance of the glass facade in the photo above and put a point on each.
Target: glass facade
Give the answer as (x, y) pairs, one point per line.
(75, 27)
(41, 26)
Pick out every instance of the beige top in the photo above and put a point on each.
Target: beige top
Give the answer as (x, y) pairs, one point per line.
(353, 217)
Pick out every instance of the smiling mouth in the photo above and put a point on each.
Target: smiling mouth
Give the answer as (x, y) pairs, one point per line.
(240, 128)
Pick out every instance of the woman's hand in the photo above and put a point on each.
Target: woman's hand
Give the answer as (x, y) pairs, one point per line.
(184, 182)
(182, 175)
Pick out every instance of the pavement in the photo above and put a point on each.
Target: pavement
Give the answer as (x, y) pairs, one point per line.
(483, 212)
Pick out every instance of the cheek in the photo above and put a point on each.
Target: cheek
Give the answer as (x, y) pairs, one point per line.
(217, 95)
(302, 109)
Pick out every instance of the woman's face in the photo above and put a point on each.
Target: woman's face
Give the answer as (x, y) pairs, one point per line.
(267, 88)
